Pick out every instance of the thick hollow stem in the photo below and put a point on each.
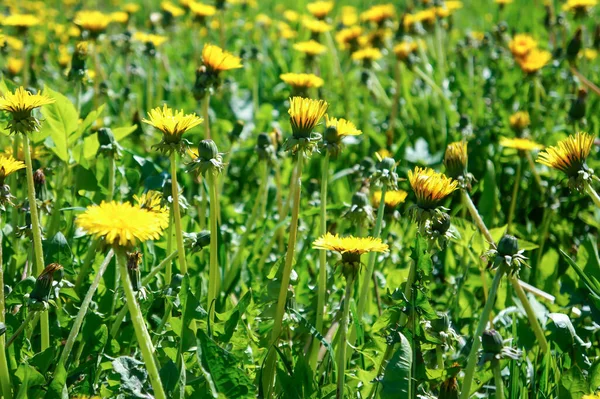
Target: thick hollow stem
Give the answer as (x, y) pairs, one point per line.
(533, 321)
(322, 284)
(177, 214)
(205, 115)
(87, 263)
(83, 310)
(498, 379)
(515, 194)
(483, 320)
(342, 344)
(214, 276)
(592, 193)
(139, 326)
(169, 268)
(37, 235)
(30, 316)
(476, 217)
(295, 190)
(5, 382)
(111, 178)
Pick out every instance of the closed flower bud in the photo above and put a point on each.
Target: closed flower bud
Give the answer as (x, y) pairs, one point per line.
(508, 246)
(235, 133)
(574, 45)
(133, 268)
(207, 150)
(578, 106)
(197, 241)
(442, 323)
(491, 342)
(43, 284)
(449, 389)
(360, 199)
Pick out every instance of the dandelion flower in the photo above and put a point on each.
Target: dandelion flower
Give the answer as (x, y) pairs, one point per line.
(149, 38)
(14, 65)
(579, 6)
(151, 201)
(520, 144)
(216, 59)
(342, 126)
(316, 26)
(456, 159)
(426, 17)
(172, 9)
(393, 198)
(95, 22)
(430, 187)
(367, 54)
(534, 61)
(348, 37)
(305, 114)
(173, 125)
(21, 21)
(349, 16)
(302, 80)
(120, 17)
(201, 11)
(569, 155)
(9, 165)
(379, 13)
(310, 47)
(20, 104)
(320, 9)
(521, 45)
(351, 248)
(123, 224)
(589, 54)
(519, 120)
(404, 49)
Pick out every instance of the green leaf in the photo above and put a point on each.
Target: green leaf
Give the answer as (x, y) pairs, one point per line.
(229, 379)
(121, 132)
(60, 121)
(573, 385)
(488, 204)
(397, 378)
(134, 377)
(86, 124)
(235, 316)
(58, 387)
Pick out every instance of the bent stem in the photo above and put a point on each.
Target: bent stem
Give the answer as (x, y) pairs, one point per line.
(341, 355)
(139, 325)
(177, 214)
(592, 193)
(295, 189)
(533, 321)
(83, 310)
(515, 193)
(4, 370)
(213, 277)
(483, 320)
(37, 235)
(322, 285)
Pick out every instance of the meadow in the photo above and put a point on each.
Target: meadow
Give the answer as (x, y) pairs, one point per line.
(299, 199)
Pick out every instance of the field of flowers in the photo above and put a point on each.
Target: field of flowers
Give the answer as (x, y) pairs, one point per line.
(299, 199)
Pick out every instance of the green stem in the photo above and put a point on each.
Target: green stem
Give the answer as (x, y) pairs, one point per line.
(295, 190)
(439, 355)
(37, 235)
(214, 276)
(322, 284)
(177, 214)
(169, 268)
(143, 338)
(203, 203)
(535, 173)
(592, 193)
(5, 382)
(111, 178)
(483, 320)
(83, 310)
(515, 193)
(533, 321)
(87, 262)
(205, 115)
(342, 344)
(498, 379)
(476, 217)
(364, 289)
(28, 319)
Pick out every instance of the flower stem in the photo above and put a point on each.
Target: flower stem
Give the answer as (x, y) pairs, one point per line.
(30, 316)
(205, 115)
(87, 263)
(364, 289)
(295, 190)
(476, 217)
(37, 235)
(5, 382)
(592, 193)
(515, 193)
(498, 379)
(533, 321)
(177, 214)
(83, 310)
(214, 276)
(483, 320)
(139, 325)
(112, 166)
(322, 284)
(169, 268)
(342, 344)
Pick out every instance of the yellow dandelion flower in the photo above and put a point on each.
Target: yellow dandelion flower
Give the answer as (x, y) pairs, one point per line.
(216, 59)
(172, 124)
(8, 165)
(36, 152)
(131, 8)
(521, 45)
(453, 5)
(426, 17)
(534, 60)
(286, 32)
(122, 224)
(503, 2)
(350, 245)
(14, 65)
(349, 16)
(172, 9)
(316, 26)
(430, 187)
(404, 49)
(291, 16)
(151, 201)
(310, 47)
(94, 22)
(348, 35)
(320, 9)
(13, 43)
(368, 53)
(579, 6)
(591, 396)
(519, 120)
(393, 198)
(569, 155)
(520, 144)
(456, 159)
(589, 54)
(120, 17)
(305, 114)
(149, 38)
(383, 153)
(21, 21)
(302, 80)
(342, 127)
(202, 10)
(379, 13)
(21, 102)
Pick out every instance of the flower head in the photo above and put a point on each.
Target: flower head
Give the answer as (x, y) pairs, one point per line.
(367, 54)
(310, 47)
(216, 59)
(521, 45)
(320, 9)
(201, 11)
(351, 248)
(20, 104)
(335, 130)
(172, 124)
(302, 80)
(151, 200)
(405, 49)
(94, 22)
(456, 159)
(21, 21)
(534, 60)
(579, 6)
(8, 165)
(379, 13)
(508, 254)
(520, 144)
(208, 159)
(150, 39)
(569, 156)
(123, 224)
(519, 120)
(305, 114)
(348, 37)
(392, 199)
(316, 26)
(430, 188)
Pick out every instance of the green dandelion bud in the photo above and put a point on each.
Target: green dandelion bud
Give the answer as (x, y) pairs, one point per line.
(385, 173)
(133, 268)
(43, 286)
(449, 389)
(264, 148)
(197, 241)
(508, 245)
(492, 342)
(360, 212)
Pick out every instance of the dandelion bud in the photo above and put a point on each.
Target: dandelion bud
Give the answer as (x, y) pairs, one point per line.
(133, 269)
(456, 159)
(264, 147)
(236, 132)
(78, 67)
(360, 199)
(508, 245)
(207, 149)
(39, 182)
(197, 241)
(442, 323)
(578, 106)
(491, 342)
(449, 389)
(574, 45)
(43, 285)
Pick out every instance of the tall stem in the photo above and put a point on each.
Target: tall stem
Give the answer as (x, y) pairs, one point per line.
(322, 284)
(498, 379)
(515, 193)
(169, 268)
(592, 193)
(364, 289)
(177, 214)
(342, 344)
(37, 235)
(30, 316)
(205, 115)
(87, 263)
(295, 190)
(476, 217)
(141, 333)
(111, 177)
(483, 320)
(533, 322)
(83, 310)
(214, 276)
(4, 370)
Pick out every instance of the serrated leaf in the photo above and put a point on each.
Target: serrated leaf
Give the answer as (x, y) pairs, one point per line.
(397, 378)
(60, 121)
